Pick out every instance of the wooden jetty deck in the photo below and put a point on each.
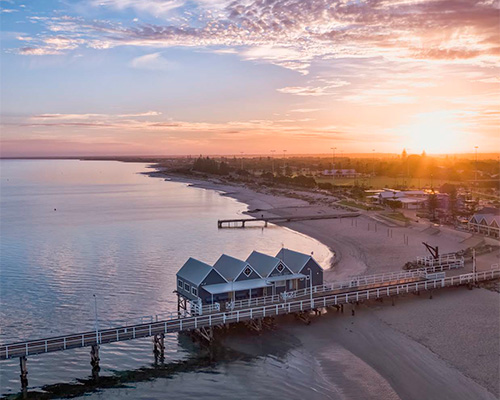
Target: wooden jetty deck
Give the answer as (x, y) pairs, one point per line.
(241, 222)
(118, 334)
(255, 313)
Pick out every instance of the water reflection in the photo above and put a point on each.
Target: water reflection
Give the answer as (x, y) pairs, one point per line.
(115, 233)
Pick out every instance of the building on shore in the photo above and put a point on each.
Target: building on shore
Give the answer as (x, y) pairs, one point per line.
(486, 222)
(231, 279)
(341, 173)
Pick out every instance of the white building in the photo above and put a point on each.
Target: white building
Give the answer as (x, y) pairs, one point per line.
(341, 173)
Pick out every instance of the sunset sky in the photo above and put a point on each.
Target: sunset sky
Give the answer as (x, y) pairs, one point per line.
(165, 77)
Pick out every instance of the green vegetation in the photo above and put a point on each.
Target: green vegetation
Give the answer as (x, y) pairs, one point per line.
(361, 206)
(397, 216)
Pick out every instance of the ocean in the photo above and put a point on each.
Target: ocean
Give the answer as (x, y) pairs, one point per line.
(72, 229)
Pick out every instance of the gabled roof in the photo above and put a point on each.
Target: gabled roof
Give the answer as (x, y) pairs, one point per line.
(262, 263)
(230, 267)
(294, 260)
(194, 271)
(487, 218)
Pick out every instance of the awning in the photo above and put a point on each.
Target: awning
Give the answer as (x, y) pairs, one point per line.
(278, 278)
(236, 286)
(249, 284)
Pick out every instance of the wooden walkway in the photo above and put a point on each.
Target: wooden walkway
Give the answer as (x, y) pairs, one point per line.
(118, 334)
(241, 222)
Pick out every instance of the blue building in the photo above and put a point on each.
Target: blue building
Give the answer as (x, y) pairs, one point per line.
(303, 264)
(232, 279)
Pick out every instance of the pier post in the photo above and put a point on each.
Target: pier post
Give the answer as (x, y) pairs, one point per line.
(159, 347)
(94, 360)
(24, 373)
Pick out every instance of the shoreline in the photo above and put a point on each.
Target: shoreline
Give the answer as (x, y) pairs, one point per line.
(360, 249)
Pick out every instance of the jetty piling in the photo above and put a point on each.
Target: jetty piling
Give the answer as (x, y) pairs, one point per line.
(327, 295)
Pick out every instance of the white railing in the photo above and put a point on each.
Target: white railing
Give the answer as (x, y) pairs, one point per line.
(170, 326)
(444, 259)
(353, 282)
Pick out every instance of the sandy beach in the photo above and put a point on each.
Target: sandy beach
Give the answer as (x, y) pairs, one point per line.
(444, 348)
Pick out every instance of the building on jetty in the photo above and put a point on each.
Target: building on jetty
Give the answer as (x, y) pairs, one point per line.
(230, 279)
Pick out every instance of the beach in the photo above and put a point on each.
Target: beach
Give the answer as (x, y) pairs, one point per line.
(446, 347)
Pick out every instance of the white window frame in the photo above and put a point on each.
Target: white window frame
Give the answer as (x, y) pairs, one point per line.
(187, 287)
(194, 291)
(250, 269)
(180, 283)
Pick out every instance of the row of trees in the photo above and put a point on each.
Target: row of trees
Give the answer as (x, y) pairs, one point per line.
(411, 166)
(211, 166)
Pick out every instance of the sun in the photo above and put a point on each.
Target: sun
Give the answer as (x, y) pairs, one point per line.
(437, 132)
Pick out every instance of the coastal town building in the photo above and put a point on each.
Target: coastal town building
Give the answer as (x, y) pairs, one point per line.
(231, 279)
(409, 199)
(486, 222)
(341, 173)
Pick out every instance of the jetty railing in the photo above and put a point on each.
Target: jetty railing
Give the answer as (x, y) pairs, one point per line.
(443, 259)
(353, 282)
(92, 338)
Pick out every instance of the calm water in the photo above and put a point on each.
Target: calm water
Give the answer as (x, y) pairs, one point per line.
(71, 229)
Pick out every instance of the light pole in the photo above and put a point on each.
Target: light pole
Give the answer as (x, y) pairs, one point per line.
(272, 157)
(373, 162)
(284, 162)
(333, 161)
(474, 268)
(408, 166)
(311, 287)
(96, 321)
(475, 175)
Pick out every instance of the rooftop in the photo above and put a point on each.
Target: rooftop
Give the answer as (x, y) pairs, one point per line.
(194, 271)
(230, 267)
(262, 263)
(293, 259)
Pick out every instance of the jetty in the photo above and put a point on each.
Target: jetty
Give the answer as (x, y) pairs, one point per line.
(241, 222)
(255, 313)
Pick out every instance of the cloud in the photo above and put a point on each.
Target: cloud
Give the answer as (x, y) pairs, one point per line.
(304, 90)
(151, 62)
(294, 34)
(95, 116)
(154, 7)
(321, 90)
(305, 110)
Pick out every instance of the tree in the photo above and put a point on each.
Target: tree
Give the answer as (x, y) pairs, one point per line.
(433, 205)
(453, 202)
(394, 204)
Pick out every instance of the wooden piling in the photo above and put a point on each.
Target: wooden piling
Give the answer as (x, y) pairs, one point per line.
(24, 372)
(94, 361)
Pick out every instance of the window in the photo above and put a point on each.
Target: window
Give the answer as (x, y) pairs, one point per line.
(194, 291)
(280, 267)
(247, 271)
(180, 284)
(187, 288)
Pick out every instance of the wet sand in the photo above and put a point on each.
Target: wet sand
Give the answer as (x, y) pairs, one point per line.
(445, 348)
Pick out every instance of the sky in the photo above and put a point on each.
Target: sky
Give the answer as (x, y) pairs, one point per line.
(173, 77)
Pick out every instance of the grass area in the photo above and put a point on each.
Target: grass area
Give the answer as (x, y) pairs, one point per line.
(397, 216)
(361, 206)
(380, 182)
